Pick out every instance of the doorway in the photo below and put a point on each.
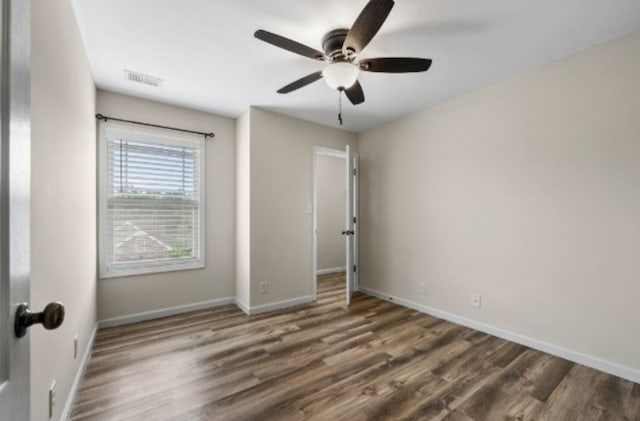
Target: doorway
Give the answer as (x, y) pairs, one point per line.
(334, 234)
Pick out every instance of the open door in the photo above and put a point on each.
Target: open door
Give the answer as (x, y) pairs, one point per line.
(351, 231)
(15, 193)
(15, 172)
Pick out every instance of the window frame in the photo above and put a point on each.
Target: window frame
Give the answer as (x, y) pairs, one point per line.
(109, 130)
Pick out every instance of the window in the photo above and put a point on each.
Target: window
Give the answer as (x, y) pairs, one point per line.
(151, 200)
(141, 245)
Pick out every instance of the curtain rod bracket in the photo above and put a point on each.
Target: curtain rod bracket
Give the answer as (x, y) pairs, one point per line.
(105, 119)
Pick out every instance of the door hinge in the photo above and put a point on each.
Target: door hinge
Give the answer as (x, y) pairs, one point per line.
(355, 220)
(355, 171)
(355, 268)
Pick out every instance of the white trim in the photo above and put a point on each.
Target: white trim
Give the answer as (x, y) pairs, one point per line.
(82, 367)
(628, 373)
(331, 270)
(170, 311)
(336, 153)
(149, 270)
(243, 306)
(278, 305)
(356, 225)
(161, 135)
(109, 129)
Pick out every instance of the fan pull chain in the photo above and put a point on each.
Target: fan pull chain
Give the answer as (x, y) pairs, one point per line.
(340, 106)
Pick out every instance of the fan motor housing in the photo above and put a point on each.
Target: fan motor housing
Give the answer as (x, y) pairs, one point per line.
(332, 43)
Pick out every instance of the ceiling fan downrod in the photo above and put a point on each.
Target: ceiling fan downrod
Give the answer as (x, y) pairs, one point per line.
(340, 105)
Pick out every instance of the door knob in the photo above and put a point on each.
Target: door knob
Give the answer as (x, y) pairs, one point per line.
(51, 318)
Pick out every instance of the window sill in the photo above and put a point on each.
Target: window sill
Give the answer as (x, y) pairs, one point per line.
(150, 270)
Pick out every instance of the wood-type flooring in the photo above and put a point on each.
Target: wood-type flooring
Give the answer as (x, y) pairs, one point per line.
(374, 360)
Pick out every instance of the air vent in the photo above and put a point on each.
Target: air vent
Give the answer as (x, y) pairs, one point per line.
(142, 78)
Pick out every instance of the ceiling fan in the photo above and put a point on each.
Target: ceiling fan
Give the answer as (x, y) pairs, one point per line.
(341, 48)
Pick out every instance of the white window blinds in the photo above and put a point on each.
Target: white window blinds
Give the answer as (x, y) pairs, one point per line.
(151, 201)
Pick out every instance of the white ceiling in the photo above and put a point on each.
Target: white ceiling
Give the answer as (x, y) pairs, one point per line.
(205, 52)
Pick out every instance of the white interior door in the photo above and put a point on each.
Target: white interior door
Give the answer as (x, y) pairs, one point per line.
(15, 173)
(350, 225)
(356, 221)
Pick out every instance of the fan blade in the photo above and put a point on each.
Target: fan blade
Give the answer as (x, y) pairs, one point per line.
(289, 45)
(366, 25)
(395, 65)
(355, 93)
(300, 83)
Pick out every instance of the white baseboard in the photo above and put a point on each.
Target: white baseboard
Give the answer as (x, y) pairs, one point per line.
(155, 314)
(265, 308)
(330, 270)
(68, 406)
(568, 354)
(243, 306)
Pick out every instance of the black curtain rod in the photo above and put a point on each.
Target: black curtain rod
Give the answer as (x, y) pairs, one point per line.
(105, 118)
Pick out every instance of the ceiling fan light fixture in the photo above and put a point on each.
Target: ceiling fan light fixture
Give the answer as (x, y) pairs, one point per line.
(340, 75)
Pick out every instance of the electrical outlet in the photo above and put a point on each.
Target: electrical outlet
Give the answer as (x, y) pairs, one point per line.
(264, 287)
(422, 288)
(52, 398)
(476, 300)
(75, 346)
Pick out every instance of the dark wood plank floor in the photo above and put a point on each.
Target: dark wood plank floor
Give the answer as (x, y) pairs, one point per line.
(373, 360)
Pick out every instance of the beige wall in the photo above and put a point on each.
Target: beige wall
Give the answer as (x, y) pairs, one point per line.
(119, 297)
(63, 210)
(281, 191)
(243, 209)
(526, 192)
(331, 173)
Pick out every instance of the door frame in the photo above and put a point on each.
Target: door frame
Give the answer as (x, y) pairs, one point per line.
(15, 181)
(336, 153)
(356, 223)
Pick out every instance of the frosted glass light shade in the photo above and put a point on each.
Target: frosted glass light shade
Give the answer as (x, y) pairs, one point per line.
(340, 75)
